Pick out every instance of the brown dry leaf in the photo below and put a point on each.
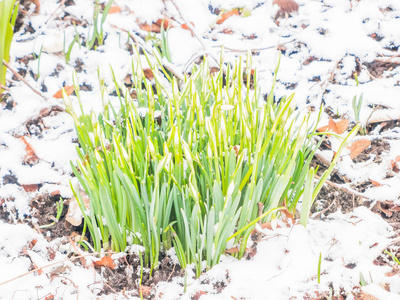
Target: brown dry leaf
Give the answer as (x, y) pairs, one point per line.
(144, 290)
(375, 183)
(224, 16)
(29, 188)
(74, 215)
(335, 127)
(364, 296)
(166, 22)
(287, 6)
(37, 4)
(30, 157)
(393, 164)
(232, 250)
(150, 28)
(148, 73)
(114, 9)
(106, 261)
(358, 146)
(69, 89)
(185, 26)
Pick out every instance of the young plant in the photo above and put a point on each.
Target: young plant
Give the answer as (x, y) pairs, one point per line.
(97, 36)
(187, 164)
(8, 16)
(60, 207)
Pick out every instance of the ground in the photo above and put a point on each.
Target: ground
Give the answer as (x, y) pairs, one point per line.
(332, 51)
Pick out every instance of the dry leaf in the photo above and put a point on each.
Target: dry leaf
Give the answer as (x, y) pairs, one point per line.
(37, 5)
(29, 188)
(150, 28)
(335, 127)
(69, 89)
(144, 290)
(224, 16)
(148, 73)
(167, 22)
(287, 6)
(30, 157)
(114, 9)
(74, 215)
(106, 261)
(375, 183)
(358, 146)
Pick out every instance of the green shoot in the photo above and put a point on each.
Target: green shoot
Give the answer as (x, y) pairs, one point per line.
(97, 36)
(319, 267)
(8, 16)
(60, 207)
(362, 280)
(394, 258)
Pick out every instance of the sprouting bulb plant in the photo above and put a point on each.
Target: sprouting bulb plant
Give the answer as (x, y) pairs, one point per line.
(186, 164)
(8, 16)
(97, 36)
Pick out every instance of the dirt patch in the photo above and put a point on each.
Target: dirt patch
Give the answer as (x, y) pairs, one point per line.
(377, 67)
(126, 277)
(44, 210)
(378, 146)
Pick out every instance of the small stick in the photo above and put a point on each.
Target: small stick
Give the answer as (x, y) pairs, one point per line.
(55, 12)
(24, 80)
(49, 265)
(254, 49)
(318, 214)
(192, 30)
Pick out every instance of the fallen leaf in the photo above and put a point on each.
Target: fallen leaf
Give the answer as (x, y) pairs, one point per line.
(69, 89)
(198, 294)
(148, 73)
(144, 290)
(358, 146)
(114, 9)
(375, 183)
(167, 22)
(364, 296)
(106, 261)
(286, 6)
(74, 215)
(150, 28)
(335, 127)
(185, 26)
(29, 188)
(37, 5)
(224, 16)
(393, 164)
(30, 157)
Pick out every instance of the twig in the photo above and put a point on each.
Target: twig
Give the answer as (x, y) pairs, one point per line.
(172, 272)
(191, 29)
(254, 49)
(318, 214)
(49, 265)
(54, 12)
(169, 66)
(24, 81)
(345, 188)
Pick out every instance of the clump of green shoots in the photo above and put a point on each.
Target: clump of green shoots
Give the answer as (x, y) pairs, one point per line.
(187, 165)
(96, 37)
(8, 16)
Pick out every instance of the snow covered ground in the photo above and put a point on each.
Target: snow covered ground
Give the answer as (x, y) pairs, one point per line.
(323, 46)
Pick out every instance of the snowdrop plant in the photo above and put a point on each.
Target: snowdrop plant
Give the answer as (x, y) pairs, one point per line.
(188, 164)
(8, 16)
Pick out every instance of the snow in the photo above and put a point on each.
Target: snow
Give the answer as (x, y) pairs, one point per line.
(323, 45)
